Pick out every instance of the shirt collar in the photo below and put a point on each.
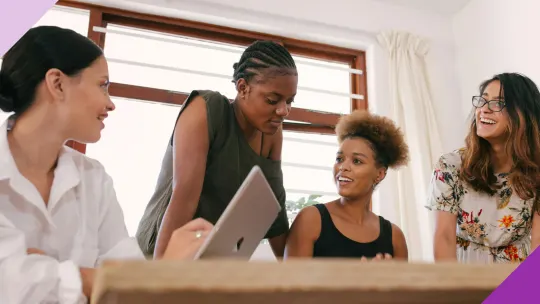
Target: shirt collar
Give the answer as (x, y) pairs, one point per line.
(66, 174)
(7, 164)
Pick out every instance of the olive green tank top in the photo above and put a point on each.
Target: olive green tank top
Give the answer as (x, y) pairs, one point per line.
(229, 161)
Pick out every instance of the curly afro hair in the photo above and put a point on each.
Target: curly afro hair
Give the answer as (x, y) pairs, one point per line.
(386, 139)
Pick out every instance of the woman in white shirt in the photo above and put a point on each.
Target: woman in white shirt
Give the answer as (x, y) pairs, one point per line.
(59, 216)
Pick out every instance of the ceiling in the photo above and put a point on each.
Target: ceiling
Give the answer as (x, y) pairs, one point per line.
(444, 7)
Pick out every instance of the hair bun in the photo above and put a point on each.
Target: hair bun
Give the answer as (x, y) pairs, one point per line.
(6, 104)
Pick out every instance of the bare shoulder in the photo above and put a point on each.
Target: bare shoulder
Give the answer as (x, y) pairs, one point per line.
(307, 223)
(397, 232)
(308, 213)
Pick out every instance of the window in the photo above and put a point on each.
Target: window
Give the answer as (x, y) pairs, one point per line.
(323, 75)
(161, 61)
(154, 62)
(307, 169)
(131, 150)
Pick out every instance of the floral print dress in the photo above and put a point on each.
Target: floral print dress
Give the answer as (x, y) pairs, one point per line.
(490, 229)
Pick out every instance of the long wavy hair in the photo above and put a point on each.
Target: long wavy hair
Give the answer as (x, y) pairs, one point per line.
(522, 99)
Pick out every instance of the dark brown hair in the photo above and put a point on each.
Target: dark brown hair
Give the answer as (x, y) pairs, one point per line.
(522, 100)
(40, 49)
(386, 139)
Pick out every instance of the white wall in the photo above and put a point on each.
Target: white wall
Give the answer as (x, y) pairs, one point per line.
(495, 36)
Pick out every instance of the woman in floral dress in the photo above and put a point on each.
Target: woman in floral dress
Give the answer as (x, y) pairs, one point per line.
(485, 195)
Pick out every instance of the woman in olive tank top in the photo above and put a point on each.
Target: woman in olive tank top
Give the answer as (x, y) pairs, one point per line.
(346, 227)
(216, 143)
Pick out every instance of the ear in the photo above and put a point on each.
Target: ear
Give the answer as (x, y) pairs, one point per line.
(54, 79)
(241, 86)
(381, 174)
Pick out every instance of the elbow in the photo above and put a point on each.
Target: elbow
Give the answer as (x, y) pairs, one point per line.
(444, 247)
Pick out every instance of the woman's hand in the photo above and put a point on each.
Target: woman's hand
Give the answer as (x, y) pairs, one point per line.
(186, 240)
(35, 251)
(378, 257)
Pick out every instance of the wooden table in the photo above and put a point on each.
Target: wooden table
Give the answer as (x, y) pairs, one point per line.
(295, 281)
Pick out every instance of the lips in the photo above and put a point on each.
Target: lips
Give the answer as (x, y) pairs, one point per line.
(487, 121)
(344, 180)
(101, 118)
(276, 123)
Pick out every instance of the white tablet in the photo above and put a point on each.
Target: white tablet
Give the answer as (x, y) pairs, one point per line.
(245, 221)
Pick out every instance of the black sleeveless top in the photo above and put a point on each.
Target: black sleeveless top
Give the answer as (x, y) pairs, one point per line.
(333, 244)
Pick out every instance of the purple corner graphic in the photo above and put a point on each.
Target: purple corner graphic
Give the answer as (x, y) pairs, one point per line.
(520, 285)
(17, 17)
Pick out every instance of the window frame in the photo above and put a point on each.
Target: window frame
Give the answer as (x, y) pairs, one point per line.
(309, 121)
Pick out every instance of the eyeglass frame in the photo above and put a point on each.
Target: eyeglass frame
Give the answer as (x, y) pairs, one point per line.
(502, 103)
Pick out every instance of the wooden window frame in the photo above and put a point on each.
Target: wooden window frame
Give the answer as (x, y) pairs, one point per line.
(306, 120)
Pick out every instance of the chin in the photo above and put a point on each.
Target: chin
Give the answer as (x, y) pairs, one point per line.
(490, 136)
(269, 130)
(344, 194)
(90, 139)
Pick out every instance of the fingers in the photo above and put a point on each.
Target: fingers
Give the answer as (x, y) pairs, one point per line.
(378, 257)
(35, 251)
(198, 224)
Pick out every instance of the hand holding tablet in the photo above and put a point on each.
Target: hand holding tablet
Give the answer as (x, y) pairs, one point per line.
(245, 221)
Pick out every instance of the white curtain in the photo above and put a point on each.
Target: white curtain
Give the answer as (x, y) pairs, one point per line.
(412, 110)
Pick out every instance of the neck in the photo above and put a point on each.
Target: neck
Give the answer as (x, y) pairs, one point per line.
(501, 161)
(249, 130)
(357, 208)
(35, 144)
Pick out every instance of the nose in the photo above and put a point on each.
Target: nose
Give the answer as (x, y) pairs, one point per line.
(110, 106)
(283, 109)
(344, 166)
(485, 108)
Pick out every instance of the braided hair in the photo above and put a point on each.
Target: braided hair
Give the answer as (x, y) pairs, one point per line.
(263, 55)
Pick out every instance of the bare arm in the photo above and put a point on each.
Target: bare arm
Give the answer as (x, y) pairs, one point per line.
(399, 243)
(191, 146)
(444, 244)
(277, 243)
(535, 234)
(305, 231)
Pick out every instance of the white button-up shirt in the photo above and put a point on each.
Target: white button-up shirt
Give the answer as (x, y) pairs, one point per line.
(81, 225)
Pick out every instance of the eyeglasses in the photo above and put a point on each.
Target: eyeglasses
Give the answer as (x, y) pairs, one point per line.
(493, 105)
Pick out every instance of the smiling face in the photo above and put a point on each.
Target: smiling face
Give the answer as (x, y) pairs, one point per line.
(85, 101)
(266, 102)
(492, 125)
(356, 171)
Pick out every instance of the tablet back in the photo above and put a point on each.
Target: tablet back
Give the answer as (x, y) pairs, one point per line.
(245, 221)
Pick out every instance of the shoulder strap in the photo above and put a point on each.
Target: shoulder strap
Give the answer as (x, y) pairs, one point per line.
(386, 229)
(216, 109)
(322, 211)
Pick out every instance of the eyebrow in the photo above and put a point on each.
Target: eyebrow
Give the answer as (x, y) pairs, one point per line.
(354, 153)
(495, 97)
(274, 93)
(278, 95)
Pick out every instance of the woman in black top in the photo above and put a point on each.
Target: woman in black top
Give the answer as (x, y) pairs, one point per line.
(346, 227)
